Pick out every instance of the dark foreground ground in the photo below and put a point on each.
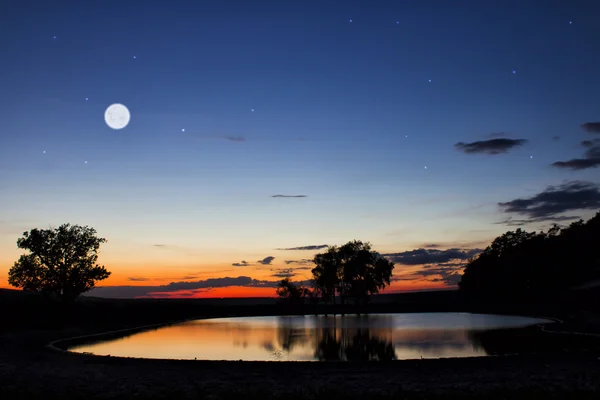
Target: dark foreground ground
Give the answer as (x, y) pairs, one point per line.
(29, 370)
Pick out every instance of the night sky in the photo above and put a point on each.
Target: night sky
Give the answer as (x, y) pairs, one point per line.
(261, 131)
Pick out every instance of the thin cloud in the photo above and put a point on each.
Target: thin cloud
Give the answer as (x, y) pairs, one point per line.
(591, 157)
(588, 143)
(431, 246)
(429, 256)
(492, 146)
(403, 278)
(159, 245)
(133, 279)
(497, 135)
(235, 138)
(448, 274)
(555, 137)
(510, 221)
(138, 291)
(285, 273)
(310, 247)
(241, 264)
(593, 149)
(556, 200)
(578, 164)
(455, 244)
(304, 261)
(288, 196)
(591, 127)
(266, 260)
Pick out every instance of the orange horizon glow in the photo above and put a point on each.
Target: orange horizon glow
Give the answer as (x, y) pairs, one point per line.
(158, 276)
(254, 292)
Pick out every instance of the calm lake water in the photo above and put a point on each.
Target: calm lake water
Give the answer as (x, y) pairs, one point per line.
(315, 338)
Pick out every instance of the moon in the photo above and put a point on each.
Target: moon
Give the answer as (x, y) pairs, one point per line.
(117, 116)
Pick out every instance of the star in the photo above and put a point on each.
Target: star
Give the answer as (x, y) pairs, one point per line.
(183, 130)
(134, 57)
(85, 162)
(430, 81)
(405, 135)
(570, 22)
(514, 71)
(426, 167)
(53, 37)
(397, 22)
(350, 21)
(252, 110)
(44, 152)
(530, 156)
(86, 99)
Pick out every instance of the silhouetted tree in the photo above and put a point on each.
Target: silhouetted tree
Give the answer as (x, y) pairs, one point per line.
(290, 292)
(327, 273)
(534, 267)
(352, 270)
(61, 262)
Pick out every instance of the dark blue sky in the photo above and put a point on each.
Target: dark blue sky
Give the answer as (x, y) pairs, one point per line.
(357, 105)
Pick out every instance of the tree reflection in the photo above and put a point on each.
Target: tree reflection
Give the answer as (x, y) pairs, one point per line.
(352, 345)
(290, 335)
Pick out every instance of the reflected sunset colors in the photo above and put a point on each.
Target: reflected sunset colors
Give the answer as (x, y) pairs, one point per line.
(314, 338)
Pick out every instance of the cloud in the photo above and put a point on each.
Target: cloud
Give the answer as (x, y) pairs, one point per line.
(591, 127)
(555, 200)
(304, 261)
(235, 138)
(591, 160)
(138, 291)
(446, 273)
(587, 143)
(132, 279)
(593, 150)
(457, 243)
(266, 260)
(287, 196)
(578, 163)
(510, 221)
(241, 264)
(450, 280)
(403, 278)
(497, 135)
(427, 256)
(188, 277)
(285, 273)
(310, 247)
(159, 245)
(493, 146)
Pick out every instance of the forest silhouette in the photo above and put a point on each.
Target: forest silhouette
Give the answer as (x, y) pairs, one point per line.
(534, 267)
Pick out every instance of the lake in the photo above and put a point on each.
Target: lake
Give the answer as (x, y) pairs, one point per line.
(315, 338)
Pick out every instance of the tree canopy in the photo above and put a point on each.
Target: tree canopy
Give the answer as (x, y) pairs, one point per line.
(61, 261)
(524, 266)
(353, 270)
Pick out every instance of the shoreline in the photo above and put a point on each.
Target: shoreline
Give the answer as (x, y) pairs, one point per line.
(35, 365)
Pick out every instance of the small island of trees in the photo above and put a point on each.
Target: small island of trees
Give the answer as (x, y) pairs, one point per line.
(351, 272)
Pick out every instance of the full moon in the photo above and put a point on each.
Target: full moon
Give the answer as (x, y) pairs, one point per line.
(117, 116)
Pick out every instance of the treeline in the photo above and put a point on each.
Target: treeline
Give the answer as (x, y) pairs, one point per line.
(532, 267)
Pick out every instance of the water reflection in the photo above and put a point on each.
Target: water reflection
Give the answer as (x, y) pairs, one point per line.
(319, 338)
